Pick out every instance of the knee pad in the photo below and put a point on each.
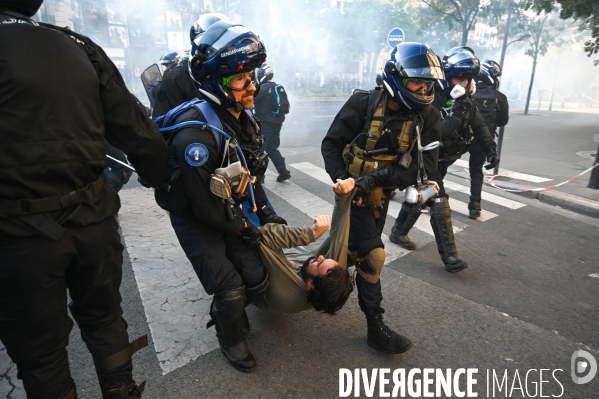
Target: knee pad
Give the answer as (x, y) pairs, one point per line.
(120, 358)
(370, 265)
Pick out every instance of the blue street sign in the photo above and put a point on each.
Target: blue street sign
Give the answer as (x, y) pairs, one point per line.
(395, 36)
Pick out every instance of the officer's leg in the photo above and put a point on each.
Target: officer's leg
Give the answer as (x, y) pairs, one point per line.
(408, 215)
(476, 162)
(272, 137)
(365, 241)
(34, 323)
(443, 228)
(94, 280)
(248, 263)
(207, 253)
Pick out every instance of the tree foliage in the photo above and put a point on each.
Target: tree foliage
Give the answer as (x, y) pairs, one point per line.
(586, 12)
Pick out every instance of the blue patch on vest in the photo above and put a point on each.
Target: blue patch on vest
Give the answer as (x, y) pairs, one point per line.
(196, 154)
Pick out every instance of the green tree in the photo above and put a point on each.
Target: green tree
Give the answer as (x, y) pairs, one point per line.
(586, 12)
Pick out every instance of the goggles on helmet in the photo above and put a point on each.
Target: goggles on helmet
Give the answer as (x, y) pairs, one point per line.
(250, 80)
(416, 85)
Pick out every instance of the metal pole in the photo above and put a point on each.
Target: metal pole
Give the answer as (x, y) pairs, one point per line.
(594, 180)
(505, 35)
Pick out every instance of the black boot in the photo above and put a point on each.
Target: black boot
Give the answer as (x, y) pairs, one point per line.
(403, 224)
(286, 175)
(443, 229)
(227, 308)
(251, 294)
(382, 338)
(130, 391)
(474, 208)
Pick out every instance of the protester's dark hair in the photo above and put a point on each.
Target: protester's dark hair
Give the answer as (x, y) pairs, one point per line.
(330, 291)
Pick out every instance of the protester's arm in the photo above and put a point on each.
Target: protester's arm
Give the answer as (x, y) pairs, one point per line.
(277, 236)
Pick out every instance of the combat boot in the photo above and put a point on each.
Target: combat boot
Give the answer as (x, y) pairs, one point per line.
(443, 229)
(474, 208)
(403, 224)
(227, 308)
(131, 391)
(382, 338)
(286, 175)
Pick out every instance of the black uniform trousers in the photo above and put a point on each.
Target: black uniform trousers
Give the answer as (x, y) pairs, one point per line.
(272, 141)
(476, 162)
(365, 235)
(35, 273)
(222, 261)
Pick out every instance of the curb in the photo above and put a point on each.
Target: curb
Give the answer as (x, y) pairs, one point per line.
(567, 201)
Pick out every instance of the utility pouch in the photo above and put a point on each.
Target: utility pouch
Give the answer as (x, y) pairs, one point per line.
(375, 200)
(356, 164)
(405, 160)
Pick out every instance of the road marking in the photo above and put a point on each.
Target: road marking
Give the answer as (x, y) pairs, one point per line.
(595, 275)
(175, 302)
(496, 199)
(506, 173)
(462, 207)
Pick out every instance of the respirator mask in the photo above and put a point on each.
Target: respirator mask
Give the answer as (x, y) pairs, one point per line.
(416, 196)
(229, 181)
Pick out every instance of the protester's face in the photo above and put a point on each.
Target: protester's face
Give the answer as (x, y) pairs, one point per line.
(243, 89)
(321, 266)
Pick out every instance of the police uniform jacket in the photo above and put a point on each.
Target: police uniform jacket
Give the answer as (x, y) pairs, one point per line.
(455, 132)
(175, 89)
(60, 95)
(349, 123)
(196, 155)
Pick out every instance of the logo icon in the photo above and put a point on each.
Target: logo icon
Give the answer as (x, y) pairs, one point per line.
(579, 367)
(196, 154)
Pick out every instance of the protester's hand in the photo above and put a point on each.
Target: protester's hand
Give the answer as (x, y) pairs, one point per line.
(321, 224)
(344, 186)
(250, 234)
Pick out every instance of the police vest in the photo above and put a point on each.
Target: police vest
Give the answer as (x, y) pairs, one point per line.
(360, 161)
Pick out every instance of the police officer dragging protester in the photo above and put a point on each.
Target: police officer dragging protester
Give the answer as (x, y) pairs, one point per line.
(271, 107)
(176, 86)
(494, 108)
(376, 138)
(461, 124)
(213, 173)
(58, 100)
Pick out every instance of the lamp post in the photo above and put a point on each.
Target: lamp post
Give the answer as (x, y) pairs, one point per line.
(505, 45)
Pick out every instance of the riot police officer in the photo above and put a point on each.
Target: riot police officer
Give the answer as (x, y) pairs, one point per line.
(461, 124)
(212, 230)
(372, 139)
(494, 108)
(176, 86)
(60, 97)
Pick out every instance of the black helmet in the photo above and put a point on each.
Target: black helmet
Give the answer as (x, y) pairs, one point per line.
(412, 61)
(203, 23)
(25, 7)
(224, 50)
(265, 73)
(490, 71)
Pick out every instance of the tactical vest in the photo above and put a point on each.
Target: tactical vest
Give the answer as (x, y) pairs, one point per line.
(360, 161)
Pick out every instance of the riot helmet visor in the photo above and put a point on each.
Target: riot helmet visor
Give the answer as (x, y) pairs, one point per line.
(424, 66)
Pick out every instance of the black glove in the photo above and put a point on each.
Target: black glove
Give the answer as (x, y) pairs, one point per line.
(250, 234)
(266, 215)
(493, 160)
(365, 184)
(463, 105)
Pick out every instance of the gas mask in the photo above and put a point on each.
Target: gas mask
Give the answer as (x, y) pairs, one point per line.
(229, 181)
(428, 191)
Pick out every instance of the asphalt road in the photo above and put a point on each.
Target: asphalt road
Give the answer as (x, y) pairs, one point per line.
(529, 300)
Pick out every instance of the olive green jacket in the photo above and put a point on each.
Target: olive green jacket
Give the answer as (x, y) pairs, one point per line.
(283, 254)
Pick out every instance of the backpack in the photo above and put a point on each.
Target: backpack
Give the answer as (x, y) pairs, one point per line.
(486, 102)
(282, 100)
(169, 129)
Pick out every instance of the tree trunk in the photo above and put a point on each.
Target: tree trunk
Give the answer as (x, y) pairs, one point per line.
(464, 34)
(532, 79)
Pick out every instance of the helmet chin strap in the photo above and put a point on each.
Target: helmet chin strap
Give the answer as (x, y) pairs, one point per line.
(236, 105)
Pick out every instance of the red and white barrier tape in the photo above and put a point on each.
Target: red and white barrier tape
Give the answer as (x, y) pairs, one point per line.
(529, 190)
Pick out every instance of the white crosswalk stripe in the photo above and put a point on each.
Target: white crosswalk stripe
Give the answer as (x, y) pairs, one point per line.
(506, 173)
(496, 199)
